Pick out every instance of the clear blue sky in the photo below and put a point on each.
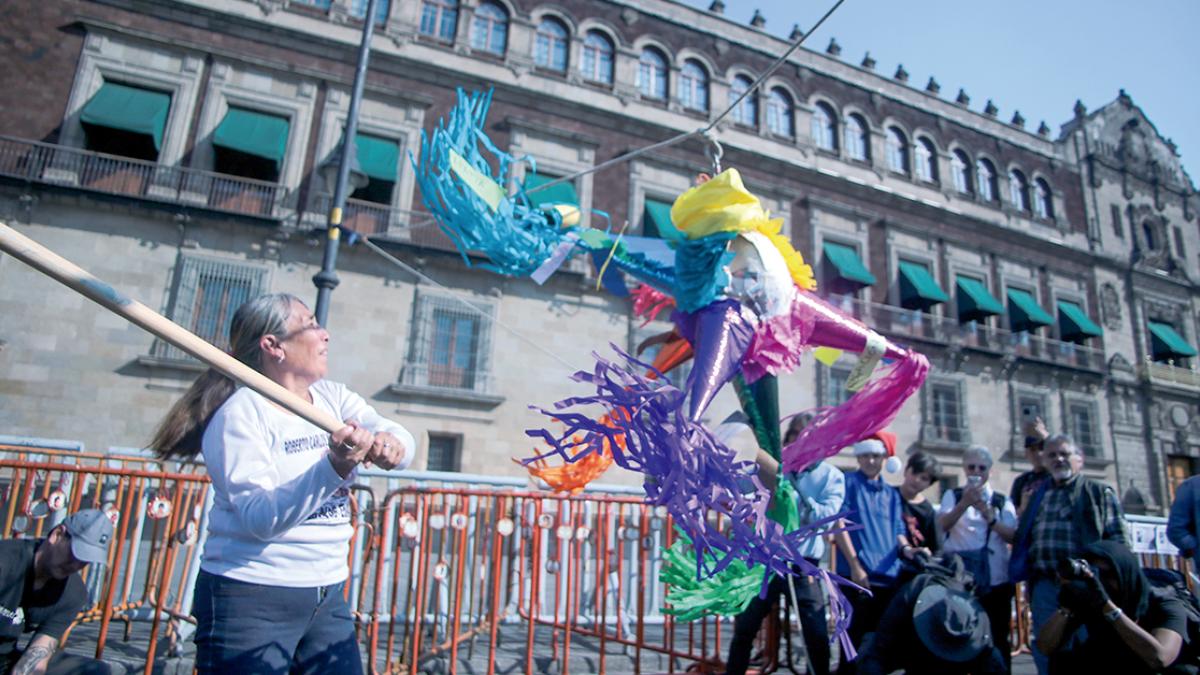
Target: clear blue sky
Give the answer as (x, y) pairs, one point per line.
(1036, 56)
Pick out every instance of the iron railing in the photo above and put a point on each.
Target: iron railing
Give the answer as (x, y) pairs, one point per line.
(914, 324)
(113, 175)
(1170, 375)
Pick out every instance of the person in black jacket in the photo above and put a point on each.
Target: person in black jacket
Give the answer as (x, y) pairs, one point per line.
(1110, 619)
(934, 624)
(1063, 516)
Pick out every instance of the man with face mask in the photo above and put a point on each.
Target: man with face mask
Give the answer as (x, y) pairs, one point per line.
(1066, 514)
(41, 593)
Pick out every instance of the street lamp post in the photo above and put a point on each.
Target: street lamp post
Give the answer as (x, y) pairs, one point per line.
(327, 279)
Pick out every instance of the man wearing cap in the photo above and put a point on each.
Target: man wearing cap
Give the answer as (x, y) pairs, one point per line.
(41, 593)
(870, 555)
(933, 625)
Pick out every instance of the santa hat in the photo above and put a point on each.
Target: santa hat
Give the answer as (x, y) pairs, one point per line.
(879, 443)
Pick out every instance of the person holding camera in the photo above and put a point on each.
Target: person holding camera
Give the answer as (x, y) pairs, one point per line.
(1035, 438)
(934, 624)
(1109, 618)
(979, 522)
(1066, 514)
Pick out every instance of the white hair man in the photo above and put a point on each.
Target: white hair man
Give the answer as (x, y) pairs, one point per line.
(1067, 513)
(979, 523)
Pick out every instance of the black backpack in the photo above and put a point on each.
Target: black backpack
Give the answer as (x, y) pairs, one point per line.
(1172, 584)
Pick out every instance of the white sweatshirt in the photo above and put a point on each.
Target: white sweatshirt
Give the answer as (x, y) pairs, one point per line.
(281, 513)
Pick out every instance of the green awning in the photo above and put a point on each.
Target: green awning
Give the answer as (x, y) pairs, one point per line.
(377, 156)
(848, 265)
(1073, 322)
(656, 221)
(253, 133)
(562, 193)
(119, 106)
(974, 300)
(1024, 312)
(918, 288)
(1165, 341)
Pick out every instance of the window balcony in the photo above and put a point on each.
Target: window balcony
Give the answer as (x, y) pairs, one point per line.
(372, 219)
(910, 324)
(1170, 375)
(96, 172)
(1037, 348)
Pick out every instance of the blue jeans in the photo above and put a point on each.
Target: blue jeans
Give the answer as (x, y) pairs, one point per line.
(1043, 601)
(255, 629)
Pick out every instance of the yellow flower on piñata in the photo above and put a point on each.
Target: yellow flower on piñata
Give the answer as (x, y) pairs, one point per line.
(723, 204)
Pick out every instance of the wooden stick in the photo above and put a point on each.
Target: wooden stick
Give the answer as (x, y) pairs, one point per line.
(67, 273)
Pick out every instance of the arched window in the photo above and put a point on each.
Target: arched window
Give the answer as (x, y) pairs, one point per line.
(960, 166)
(693, 86)
(780, 120)
(746, 112)
(1018, 190)
(489, 30)
(652, 74)
(1043, 202)
(986, 174)
(858, 143)
(551, 49)
(824, 127)
(926, 164)
(897, 150)
(596, 64)
(439, 19)
(1148, 235)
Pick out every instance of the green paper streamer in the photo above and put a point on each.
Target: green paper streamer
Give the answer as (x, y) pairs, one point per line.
(729, 592)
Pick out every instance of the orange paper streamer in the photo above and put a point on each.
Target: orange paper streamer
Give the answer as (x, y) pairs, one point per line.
(574, 476)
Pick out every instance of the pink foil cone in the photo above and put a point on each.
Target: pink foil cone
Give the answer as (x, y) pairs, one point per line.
(833, 328)
(869, 410)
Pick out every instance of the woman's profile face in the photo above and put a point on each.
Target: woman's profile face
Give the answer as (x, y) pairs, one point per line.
(305, 344)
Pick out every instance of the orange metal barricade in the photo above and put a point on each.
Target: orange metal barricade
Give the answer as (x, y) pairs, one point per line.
(442, 579)
(157, 515)
(510, 580)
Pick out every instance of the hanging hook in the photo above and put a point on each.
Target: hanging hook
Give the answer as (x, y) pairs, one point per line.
(714, 151)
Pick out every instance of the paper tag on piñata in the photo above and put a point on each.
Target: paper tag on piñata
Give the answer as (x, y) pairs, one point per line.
(867, 361)
(487, 189)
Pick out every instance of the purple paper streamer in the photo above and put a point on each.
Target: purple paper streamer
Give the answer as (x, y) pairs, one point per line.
(686, 469)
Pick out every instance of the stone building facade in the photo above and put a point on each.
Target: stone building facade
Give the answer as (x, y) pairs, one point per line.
(176, 149)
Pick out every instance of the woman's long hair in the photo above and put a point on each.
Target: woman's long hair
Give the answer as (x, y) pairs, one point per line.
(179, 434)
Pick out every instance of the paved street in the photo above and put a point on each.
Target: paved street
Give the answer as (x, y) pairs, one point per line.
(129, 656)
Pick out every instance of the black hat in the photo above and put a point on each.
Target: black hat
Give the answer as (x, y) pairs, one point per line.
(951, 623)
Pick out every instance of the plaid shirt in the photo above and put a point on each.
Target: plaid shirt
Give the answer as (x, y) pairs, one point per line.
(1054, 535)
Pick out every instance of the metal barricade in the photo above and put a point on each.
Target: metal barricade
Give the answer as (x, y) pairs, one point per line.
(158, 516)
(444, 577)
(518, 580)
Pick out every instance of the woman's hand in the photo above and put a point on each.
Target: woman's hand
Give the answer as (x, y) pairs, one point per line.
(348, 447)
(387, 452)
